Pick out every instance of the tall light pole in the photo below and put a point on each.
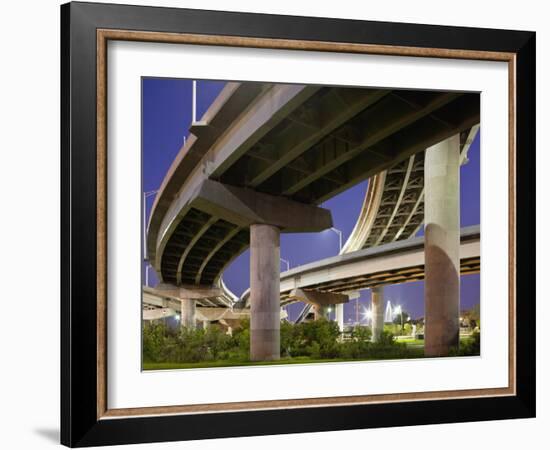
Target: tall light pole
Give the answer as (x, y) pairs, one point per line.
(194, 102)
(147, 267)
(339, 233)
(146, 195)
(194, 106)
(286, 262)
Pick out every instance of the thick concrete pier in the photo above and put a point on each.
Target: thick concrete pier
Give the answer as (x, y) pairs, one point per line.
(265, 315)
(188, 313)
(377, 309)
(339, 308)
(441, 247)
(320, 312)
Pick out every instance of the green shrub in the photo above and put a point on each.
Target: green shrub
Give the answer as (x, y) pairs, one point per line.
(470, 347)
(154, 337)
(289, 343)
(313, 350)
(386, 339)
(316, 340)
(241, 341)
(361, 333)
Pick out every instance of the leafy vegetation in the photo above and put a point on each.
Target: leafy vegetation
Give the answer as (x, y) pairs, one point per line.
(316, 341)
(470, 346)
(163, 344)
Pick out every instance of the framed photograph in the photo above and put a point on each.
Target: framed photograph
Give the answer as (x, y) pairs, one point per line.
(277, 224)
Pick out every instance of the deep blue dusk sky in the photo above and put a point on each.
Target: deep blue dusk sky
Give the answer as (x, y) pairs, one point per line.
(166, 117)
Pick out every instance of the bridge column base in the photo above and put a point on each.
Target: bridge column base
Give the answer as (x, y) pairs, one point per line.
(339, 308)
(320, 311)
(265, 315)
(377, 311)
(442, 247)
(188, 313)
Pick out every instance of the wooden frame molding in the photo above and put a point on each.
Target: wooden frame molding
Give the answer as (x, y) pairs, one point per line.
(103, 36)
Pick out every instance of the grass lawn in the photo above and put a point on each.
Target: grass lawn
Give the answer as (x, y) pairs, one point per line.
(420, 342)
(235, 363)
(411, 341)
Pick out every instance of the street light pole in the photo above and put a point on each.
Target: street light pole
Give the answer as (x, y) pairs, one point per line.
(285, 261)
(147, 267)
(146, 195)
(194, 102)
(339, 233)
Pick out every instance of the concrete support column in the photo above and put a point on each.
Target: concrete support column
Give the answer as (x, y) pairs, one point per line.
(340, 316)
(265, 316)
(442, 246)
(188, 313)
(320, 312)
(377, 310)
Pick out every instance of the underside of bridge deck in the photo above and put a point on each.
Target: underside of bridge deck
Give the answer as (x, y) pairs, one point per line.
(323, 141)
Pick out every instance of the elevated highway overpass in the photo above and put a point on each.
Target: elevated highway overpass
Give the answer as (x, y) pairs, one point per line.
(265, 155)
(304, 143)
(393, 208)
(374, 267)
(158, 305)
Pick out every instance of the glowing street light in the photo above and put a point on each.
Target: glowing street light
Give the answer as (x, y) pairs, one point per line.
(367, 314)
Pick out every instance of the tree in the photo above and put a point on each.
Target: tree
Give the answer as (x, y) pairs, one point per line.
(400, 319)
(472, 316)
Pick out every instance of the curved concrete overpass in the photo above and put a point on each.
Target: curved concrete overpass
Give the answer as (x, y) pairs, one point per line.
(393, 208)
(301, 143)
(265, 155)
(392, 263)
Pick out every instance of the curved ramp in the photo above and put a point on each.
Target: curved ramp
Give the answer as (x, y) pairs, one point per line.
(393, 208)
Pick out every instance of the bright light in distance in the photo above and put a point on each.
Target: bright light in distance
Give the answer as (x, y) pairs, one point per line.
(177, 317)
(397, 310)
(330, 310)
(367, 313)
